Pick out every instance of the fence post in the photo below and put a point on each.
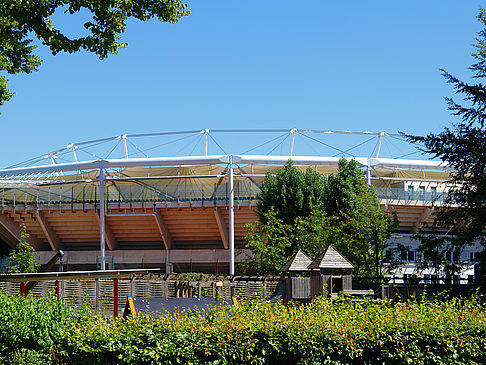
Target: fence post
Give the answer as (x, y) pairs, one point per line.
(22, 289)
(115, 297)
(57, 289)
(97, 294)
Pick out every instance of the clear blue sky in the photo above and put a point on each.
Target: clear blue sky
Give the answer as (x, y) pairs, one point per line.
(343, 65)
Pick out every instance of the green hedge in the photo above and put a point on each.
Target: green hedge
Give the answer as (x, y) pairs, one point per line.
(333, 332)
(31, 328)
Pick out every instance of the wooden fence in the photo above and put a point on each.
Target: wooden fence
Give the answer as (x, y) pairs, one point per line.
(99, 294)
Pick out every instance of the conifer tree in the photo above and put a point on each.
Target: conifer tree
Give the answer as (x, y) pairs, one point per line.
(463, 147)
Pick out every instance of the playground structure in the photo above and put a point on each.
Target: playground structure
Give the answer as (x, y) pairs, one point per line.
(328, 275)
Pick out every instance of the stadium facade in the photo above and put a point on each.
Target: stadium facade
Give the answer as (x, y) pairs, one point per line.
(188, 212)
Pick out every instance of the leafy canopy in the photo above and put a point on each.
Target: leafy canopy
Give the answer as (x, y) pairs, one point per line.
(463, 147)
(21, 20)
(292, 193)
(22, 257)
(309, 211)
(269, 242)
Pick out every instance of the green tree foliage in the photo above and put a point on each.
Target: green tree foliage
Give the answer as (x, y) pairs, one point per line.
(32, 328)
(21, 20)
(22, 257)
(270, 243)
(309, 211)
(292, 193)
(463, 147)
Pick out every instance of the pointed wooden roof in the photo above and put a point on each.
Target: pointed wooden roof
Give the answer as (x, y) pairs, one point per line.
(298, 262)
(330, 259)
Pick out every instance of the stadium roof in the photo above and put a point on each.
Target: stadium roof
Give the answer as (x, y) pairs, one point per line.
(320, 148)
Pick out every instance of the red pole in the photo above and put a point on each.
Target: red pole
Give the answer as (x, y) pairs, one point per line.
(57, 289)
(115, 297)
(22, 289)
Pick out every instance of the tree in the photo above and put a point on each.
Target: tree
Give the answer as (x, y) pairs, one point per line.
(21, 19)
(22, 257)
(463, 148)
(270, 244)
(292, 193)
(314, 212)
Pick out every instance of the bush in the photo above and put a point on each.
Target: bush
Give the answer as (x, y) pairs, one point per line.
(36, 331)
(325, 331)
(31, 328)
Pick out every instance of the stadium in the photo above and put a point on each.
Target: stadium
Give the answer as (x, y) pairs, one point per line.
(180, 200)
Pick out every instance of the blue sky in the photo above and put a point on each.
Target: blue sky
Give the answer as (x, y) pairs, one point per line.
(347, 65)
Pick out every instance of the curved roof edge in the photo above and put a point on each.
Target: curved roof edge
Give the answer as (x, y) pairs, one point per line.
(225, 159)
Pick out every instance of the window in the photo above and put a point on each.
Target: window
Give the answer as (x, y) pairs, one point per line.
(418, 256)
(473, 256)
(411, 255)
(433, 191)
(451, 256)
(407, 255)
(422, 193)
(410, 192)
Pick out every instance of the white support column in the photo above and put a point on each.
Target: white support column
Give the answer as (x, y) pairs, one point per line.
(168, 265)
(206, 143)
(53, 157)
(124, 138)
(205, 132)
(75, 156)
(102, 218)
(231, 218)
(73, 149)
(368, 176)
(292, 132)
(378, 147)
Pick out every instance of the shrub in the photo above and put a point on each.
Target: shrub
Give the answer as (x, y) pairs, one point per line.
(324, 331)
(31, 328)
(43, 331)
